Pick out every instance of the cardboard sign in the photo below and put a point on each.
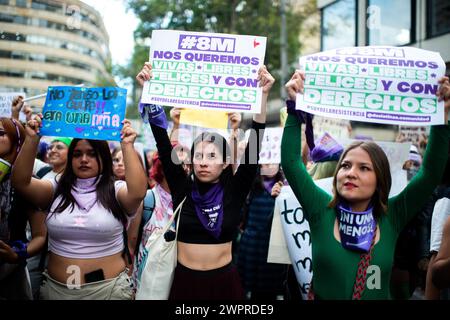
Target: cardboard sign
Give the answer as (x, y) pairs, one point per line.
(389, 85)
(205, 71)
(86, 113)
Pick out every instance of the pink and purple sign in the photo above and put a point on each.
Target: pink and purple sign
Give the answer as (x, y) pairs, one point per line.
(205, 71)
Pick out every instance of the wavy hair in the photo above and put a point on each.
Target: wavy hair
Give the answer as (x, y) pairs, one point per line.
(382, 173)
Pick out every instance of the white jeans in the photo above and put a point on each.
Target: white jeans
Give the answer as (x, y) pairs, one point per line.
(118, 288)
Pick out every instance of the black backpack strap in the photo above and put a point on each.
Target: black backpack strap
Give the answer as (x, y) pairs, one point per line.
(43, 171)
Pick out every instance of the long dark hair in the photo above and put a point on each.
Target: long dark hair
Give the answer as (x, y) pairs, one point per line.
(105, 187)
(382, 173)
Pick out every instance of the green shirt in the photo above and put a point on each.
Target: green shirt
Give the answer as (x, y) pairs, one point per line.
(335, 267)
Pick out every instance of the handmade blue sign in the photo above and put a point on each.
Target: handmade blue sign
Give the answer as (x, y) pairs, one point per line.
(86, 113)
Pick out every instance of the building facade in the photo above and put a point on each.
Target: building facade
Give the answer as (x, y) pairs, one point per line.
(423, 24)
(51, 42)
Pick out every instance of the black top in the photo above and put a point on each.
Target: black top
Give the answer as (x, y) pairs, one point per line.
(236, 188)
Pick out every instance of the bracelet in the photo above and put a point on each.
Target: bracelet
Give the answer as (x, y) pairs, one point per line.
(20, 248)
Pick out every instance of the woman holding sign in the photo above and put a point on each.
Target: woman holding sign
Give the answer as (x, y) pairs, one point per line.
(88, 214)
(214, 196)
(354, 232)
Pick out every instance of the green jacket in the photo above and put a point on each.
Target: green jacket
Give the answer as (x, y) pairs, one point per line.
(334, 267)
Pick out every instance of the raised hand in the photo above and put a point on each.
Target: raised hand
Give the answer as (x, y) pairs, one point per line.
(175, 115)
(235, 119)
(295, 84)
(16, 106)
(265, 79)
(145, 74)
(276, 189)
(127, 134)
(33, 126)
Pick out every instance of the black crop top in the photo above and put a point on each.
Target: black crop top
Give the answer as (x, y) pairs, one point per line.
(236, 188)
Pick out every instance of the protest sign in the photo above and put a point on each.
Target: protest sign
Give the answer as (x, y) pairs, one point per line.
(205, 71)
(416, 135)
(337, 128)
(271, 146)
(290, 238)
(6, 99)
(86, 113)
(214, 119)
(389, 85)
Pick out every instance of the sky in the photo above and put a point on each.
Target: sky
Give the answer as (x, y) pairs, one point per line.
(120, 25)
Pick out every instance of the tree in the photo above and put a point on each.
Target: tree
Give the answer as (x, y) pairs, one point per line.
(250, 17)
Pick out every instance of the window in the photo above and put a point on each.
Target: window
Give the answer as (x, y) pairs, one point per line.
(438, 12)
(52, 6)
(4, 2)
(6, 17)
(389, 23)
(5, 54)
(20, 20)
(339, 25)
(11, 36)
(21, 3)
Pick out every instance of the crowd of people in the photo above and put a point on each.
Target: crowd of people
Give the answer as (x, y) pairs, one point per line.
(76, 215)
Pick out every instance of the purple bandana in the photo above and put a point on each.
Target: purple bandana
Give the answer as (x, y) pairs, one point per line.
(154, 114)
(326, 149)
(268, 184)
(209, 208)
(356, 228)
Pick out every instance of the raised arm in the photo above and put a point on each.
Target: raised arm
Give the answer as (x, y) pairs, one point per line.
(17, 106)
(38, 192)
(172, 167)
(408, 203)
(175, 116)
(248, 167)
(131, 196)
(312, 198)
(234, 120)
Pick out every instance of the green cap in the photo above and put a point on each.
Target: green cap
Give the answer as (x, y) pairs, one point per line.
(64, 140)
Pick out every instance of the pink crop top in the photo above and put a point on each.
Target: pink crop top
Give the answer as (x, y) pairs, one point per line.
(82, 233)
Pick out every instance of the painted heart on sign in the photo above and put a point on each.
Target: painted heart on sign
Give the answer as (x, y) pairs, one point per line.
(79, 129)
(100, 128)
(58, 130)
(255, 43)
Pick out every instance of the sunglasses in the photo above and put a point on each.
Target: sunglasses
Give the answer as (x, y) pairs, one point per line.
(2, 133)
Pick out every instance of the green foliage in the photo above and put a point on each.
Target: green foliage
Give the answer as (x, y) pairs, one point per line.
(105, 80)
(251, 17)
